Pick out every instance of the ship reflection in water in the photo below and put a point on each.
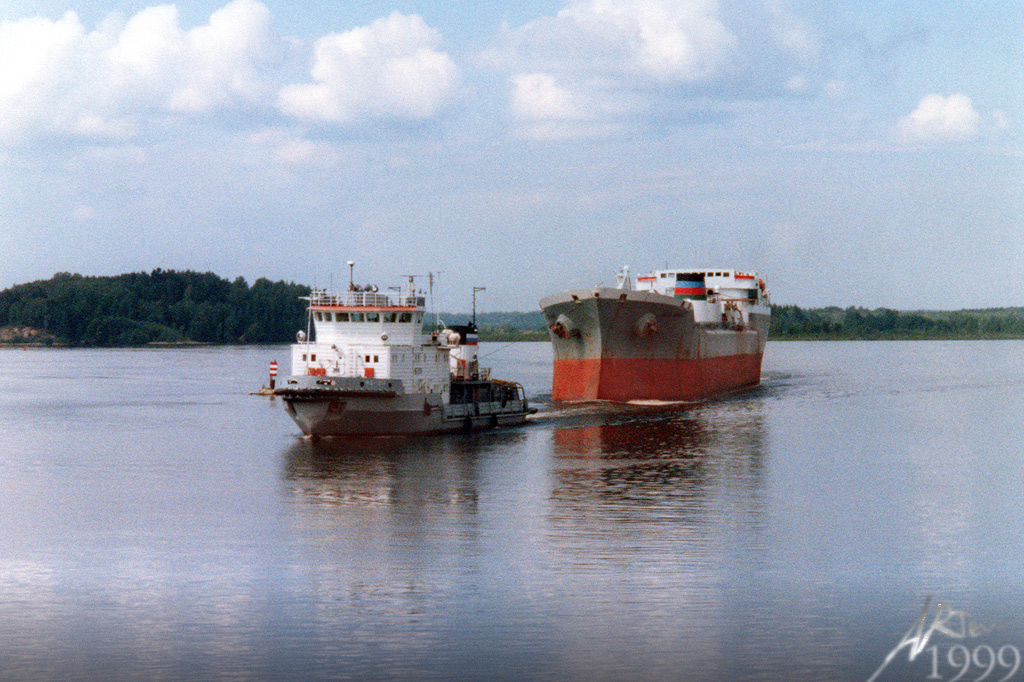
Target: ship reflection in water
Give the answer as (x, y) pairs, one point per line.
(537, 535)
(660, 464)
(596, 456)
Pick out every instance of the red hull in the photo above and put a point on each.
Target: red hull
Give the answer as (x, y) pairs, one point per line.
(653, 378)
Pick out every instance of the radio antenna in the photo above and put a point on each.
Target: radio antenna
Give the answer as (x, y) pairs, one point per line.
(476, 289)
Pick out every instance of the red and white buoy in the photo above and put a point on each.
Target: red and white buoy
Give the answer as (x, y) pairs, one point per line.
(273, 373)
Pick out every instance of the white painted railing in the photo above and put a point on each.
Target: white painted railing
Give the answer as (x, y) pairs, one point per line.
(370, 299)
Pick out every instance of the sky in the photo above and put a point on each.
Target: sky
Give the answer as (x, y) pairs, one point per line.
(857, 152)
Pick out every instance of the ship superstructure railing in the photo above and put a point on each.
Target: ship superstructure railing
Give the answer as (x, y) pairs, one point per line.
(365, 299)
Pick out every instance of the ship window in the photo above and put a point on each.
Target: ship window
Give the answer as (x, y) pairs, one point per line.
(367, 358)
(664, 275)
(373, 317)
(419, 318)
(405, 317)
(341, 317)
(357, 317)
(390, 317)
(303, 357)
(375, 359)
(319, 316)
(327, 317)
(312, 358)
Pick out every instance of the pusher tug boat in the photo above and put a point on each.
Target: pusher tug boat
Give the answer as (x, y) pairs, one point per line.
(372, 370)
(673, 334)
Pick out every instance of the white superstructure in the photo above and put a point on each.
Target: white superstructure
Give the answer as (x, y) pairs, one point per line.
(365, 365)
(371, 335)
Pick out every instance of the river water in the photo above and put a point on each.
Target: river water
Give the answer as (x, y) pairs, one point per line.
(157, 522)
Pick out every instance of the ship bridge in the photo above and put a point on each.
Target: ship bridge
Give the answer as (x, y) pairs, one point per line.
(705, 284)
(365, 317)
(367, 334)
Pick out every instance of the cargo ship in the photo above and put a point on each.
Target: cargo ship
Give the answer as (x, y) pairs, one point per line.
(365, 366)
(673, 334)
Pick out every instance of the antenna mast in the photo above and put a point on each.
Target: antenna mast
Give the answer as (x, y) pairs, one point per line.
(476, 289)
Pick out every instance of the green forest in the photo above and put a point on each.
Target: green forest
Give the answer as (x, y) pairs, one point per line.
(167, 306)
(794, 323)
(163, 306)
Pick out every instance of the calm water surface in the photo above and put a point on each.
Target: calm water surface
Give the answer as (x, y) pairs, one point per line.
(158, 522)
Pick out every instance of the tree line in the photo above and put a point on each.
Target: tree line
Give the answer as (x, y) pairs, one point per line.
(167, 306)
(793, 322)
(790, 322)
(162, 306)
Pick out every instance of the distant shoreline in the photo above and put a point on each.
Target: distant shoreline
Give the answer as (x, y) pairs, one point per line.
(172, 309)
(181, 345)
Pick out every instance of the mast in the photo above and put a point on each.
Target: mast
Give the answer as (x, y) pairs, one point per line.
(476, 289)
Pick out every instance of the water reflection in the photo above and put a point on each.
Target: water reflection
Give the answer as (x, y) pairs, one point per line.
(676, 458)
(404, 544)
(410, 472)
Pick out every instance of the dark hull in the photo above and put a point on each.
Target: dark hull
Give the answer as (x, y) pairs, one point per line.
(378, 407)
(611, 344)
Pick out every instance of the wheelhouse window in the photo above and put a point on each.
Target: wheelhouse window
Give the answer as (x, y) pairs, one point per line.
(405, 317)
(341, 317)
(357, 317)
(390, 317)
(373, 317)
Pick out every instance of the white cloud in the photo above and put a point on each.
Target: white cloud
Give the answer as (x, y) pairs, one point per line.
(834, 88)
(663, 41)
(40, 75)
(790, 33)
(797, 84)
(58, 79)
(941, 119)
(391, 68)
(227, 59)
(1001, 121)
(538, 96)
(545, 110)
(622, 60)
(291, 150)
(668, 41)
(84, 212)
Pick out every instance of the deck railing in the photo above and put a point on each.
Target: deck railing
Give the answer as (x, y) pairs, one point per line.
(369, 299)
